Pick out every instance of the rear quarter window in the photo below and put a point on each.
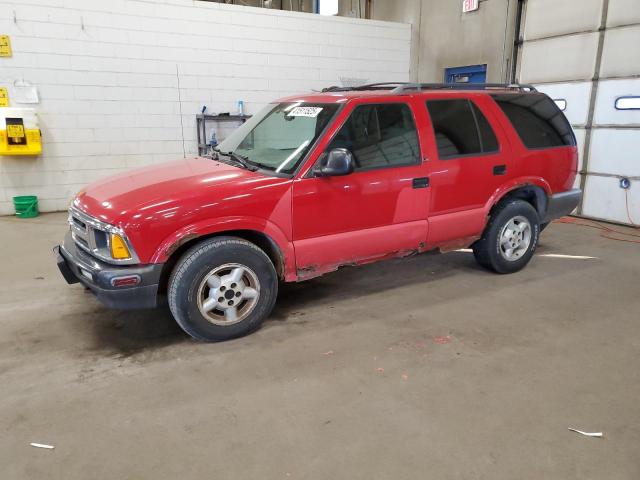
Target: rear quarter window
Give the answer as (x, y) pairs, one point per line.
(460, 128)
(537, 120)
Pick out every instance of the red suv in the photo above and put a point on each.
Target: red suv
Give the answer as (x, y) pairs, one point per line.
(318, 181)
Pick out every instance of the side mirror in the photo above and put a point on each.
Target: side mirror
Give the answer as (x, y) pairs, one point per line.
(338, 161)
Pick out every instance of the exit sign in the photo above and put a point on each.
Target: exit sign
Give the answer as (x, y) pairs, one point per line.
(469, 5)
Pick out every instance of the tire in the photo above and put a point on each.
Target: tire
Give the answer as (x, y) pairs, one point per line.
(215, 277)
(510, 238)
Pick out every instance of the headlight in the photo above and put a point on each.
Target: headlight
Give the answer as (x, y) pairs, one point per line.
(106, 242)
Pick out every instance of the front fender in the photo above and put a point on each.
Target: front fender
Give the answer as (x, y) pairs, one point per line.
(225, 224)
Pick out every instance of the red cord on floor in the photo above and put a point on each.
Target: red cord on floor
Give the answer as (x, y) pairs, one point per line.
(605, 231)
(626, 204)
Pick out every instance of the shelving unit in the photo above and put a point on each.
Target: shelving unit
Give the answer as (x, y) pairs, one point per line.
(201, 127)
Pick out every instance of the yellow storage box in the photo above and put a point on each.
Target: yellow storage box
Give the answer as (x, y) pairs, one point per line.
(19, 132)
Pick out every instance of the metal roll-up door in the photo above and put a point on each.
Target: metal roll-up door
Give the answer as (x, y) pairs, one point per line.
(585, 56)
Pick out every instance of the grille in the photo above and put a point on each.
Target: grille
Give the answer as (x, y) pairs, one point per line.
(79, 223)
(81, 233)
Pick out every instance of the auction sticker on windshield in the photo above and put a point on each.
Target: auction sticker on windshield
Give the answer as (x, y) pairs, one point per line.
(304, 112)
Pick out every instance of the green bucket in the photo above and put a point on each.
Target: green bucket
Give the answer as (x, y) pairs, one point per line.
(26, 206)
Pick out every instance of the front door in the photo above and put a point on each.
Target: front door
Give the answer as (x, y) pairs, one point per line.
(380, 209)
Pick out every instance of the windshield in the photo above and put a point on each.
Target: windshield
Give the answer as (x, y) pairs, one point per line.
(280, 135)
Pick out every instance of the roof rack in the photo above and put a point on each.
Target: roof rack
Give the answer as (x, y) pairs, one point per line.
(369, 86)
(401, 87)
(463, 86)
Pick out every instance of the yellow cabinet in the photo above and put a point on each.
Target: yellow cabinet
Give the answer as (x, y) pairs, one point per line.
(19, 132)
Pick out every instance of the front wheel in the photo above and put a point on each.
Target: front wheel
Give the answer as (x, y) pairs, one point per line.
(510, 238)
(222, 288)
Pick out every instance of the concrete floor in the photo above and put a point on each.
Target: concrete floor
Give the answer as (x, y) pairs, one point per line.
(438, 370)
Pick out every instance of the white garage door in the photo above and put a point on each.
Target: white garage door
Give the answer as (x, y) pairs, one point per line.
(585, 55)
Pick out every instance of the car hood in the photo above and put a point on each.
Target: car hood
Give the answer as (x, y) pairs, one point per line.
(117, 198)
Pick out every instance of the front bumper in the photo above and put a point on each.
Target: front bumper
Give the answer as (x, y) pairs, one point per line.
(76, 265)
(562, 204)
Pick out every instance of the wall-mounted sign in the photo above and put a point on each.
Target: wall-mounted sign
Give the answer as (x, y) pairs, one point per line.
(4, 97)
(5, 46)
(24, 92)
(469, 5)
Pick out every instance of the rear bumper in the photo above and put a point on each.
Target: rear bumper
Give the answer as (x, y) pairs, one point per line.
(76, 265)
(562, 204)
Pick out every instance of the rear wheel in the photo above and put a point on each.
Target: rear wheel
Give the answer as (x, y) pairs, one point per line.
(510, 238)
(222, 288)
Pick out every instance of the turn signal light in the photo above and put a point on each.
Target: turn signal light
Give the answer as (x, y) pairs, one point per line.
(119, 250)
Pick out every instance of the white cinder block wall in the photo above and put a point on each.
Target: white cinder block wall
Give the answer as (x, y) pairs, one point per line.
(114, 76)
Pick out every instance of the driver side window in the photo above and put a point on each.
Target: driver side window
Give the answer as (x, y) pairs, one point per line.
(379, 136)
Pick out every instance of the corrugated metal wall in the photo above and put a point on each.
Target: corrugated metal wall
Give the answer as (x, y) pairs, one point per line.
(588, 54)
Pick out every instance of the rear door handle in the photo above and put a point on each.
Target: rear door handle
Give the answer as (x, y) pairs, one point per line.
(499, 169)
(422, 182)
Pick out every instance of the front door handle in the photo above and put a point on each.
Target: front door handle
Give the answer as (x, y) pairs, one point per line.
(499, 169)
(422, 182)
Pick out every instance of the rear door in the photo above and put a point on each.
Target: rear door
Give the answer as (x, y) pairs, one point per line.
(379, 209)
(471, 160)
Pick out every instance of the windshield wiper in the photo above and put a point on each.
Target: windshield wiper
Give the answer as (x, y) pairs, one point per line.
(239, 159)
(244, 161)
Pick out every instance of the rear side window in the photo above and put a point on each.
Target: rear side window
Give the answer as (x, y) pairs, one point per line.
(460, 128)
(488, 140)
(537, 119)
(380, 135)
